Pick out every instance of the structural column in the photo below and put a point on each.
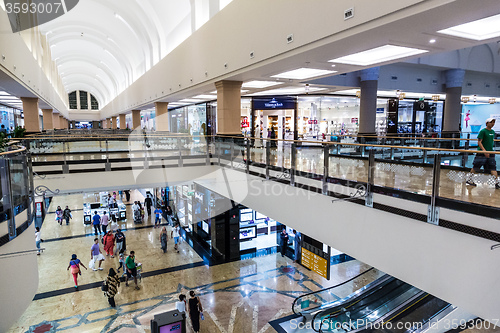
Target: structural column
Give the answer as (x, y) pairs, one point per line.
(108, 123)
(123, 122)
(115, 122)
(31, 117)
(136, 119)
(161, 116)
(61, 122)
(55, 120)
(228, 107)
(95, 124)
(368, 101)
(48, 121)
(453, 105)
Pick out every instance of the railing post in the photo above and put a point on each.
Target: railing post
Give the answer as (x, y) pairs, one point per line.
(65, 168)
(363, 148)
(371, 177)
(179, 145)
(293, 159)
(7, 196)
(326, 165)
(466, 147)
(268, 157)
(108, 165)
(27, 175)
(392, 154)
(208, 152)
(433, 211)
(219, 152)
(248, 155)
(232, 152)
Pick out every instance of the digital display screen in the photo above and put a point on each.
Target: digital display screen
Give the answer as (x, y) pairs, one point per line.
(247, 233)
(204, 226)
(95, 205)
(245, 210)
(87, 218)
(246, 217)
(172, 328)
(122, 215)
(259, 216)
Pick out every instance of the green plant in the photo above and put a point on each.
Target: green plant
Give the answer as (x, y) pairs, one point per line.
(18, 132)
(3, 143)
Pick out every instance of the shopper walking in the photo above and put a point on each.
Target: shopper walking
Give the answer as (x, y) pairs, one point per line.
(195, 311)
(485, 141)
(297, 245)
(180, 305)
(59, 215)
(104, 223)
(112, 282)
(148, 203)
(109, 243)
(127, 195)
(96, 221)
(284, 241)
(175, 234)
(67, 214)
(163, 239)
(96, 255)
(74, 264)
(169, 213)
(121, 261)
(38, 239)
(131, 269)
(158, 213)
(119, 240)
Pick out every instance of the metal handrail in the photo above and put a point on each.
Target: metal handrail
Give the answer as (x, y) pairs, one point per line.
(326, 289)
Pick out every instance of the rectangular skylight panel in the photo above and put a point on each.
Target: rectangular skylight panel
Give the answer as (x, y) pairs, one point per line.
(260, 84)
(482, 29)
(303, 73)
(378, 55)
(189, 100)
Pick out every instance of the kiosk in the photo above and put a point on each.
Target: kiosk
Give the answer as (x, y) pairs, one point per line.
(169, 322)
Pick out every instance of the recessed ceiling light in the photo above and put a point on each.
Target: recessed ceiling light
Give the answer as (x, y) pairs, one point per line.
(303, 73)
(189, 100)
(378, 54)
(482, 29)
(260, 84)
(432, 41)
(206, 96)
(334, 65)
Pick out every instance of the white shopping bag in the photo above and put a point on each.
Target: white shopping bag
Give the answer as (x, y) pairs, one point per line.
(92, 264)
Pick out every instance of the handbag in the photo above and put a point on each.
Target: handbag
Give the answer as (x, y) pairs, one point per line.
(202, 317)
(104, 286)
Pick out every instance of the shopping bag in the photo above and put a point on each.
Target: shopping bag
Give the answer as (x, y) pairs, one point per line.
(92, 264)
(202, 316)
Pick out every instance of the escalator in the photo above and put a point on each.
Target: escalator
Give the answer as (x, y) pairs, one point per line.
(384, 305)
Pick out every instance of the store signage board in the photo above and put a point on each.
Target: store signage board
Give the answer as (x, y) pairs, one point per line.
(273, 103)
(316, 263)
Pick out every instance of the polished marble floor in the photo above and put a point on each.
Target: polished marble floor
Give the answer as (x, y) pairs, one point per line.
(241, 296)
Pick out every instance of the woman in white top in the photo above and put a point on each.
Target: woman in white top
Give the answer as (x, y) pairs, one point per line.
(181, 304)
(175, 234)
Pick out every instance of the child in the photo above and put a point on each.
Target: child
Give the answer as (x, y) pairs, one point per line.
(121, 260)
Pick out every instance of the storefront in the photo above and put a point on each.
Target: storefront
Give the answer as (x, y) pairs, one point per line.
(190, 120)
(270, 115)
(414, 117)
(98, 202)
(10, 117)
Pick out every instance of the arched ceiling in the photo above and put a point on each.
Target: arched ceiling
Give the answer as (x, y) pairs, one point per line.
(103, 46)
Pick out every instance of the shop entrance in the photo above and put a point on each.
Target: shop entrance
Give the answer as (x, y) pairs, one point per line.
(273, 115)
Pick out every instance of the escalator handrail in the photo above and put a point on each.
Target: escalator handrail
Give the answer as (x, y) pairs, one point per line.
(326, 289)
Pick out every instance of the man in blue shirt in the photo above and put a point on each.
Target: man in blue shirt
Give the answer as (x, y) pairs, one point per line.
(96, 221)
(158, 213)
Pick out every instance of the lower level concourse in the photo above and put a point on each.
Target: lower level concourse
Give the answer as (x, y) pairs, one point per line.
(238, 296)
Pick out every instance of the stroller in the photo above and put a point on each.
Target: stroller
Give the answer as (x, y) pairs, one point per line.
(137, 216)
